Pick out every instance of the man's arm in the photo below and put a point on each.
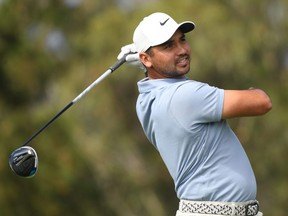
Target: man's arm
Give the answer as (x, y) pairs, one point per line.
(240, 103)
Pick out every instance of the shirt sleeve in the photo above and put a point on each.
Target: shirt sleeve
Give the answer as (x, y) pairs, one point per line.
(197, 102)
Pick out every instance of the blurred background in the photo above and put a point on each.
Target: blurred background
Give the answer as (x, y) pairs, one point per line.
(95, 159)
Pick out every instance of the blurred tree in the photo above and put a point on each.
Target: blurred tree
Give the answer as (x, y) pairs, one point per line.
(95, 160)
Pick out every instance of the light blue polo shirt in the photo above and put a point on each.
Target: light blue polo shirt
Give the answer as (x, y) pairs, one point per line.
(182, 119)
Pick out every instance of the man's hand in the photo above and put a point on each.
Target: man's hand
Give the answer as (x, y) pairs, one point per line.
(132, 58)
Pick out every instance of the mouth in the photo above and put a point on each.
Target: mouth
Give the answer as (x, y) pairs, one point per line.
(183, 61)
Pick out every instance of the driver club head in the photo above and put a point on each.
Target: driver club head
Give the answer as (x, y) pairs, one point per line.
(24, 161)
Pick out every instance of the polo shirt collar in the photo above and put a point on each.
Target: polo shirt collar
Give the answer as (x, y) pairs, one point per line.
(147, 85)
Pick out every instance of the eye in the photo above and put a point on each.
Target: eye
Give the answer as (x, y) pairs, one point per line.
(169, 45)
(183, 38)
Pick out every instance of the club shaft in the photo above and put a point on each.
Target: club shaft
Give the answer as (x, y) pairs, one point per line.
(48, 123)
(97, 81)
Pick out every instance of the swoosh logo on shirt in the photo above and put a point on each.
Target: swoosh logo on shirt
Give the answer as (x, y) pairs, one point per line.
(163, 23)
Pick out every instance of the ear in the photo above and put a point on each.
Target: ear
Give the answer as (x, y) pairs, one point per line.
(145, 59)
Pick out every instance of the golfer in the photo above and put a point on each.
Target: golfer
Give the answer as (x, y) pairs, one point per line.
(185, 120)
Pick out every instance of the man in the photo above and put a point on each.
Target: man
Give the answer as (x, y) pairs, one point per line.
(186, 122)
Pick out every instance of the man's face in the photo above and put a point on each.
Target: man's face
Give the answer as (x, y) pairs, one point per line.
(170, 59)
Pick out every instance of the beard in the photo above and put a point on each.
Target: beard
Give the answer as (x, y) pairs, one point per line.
(173, 70)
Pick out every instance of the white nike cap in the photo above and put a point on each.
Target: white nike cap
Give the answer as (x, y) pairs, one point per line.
(156, 29)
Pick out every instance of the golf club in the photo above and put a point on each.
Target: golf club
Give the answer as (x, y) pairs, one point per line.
(24, 160)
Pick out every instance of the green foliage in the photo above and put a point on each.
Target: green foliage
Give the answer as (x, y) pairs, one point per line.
(95, 159)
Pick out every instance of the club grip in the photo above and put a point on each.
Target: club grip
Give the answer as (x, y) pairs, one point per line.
(119, 62)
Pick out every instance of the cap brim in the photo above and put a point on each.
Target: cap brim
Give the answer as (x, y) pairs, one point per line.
(186, 26)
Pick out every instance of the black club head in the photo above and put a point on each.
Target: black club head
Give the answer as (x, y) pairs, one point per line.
(24, 161)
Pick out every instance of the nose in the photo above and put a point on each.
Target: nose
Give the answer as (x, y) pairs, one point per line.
(183, 48)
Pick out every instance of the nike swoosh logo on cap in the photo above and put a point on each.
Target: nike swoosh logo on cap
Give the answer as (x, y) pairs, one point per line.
(163, 23)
